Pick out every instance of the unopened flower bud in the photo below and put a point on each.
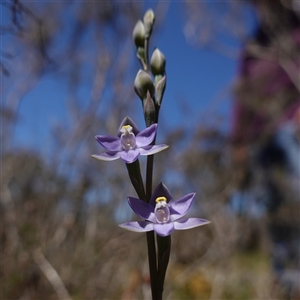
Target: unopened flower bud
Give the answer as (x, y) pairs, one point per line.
(158, 62)
(160, 88)
(149, 110)
(138, 34)
(142, 84)
(149, 19)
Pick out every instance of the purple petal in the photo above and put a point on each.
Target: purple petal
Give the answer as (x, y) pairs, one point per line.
(108, 156)
(111, 143)
(130, 156)
(145, 137)
(163, 229)
(152, 149)
(128, 121)
(160, 191)
(140, 226)
(180, 207)
(189, 223)
(142, 209)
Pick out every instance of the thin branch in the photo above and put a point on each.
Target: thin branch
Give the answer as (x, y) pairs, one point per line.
(51, 275)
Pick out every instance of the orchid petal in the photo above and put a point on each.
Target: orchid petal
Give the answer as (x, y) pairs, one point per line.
(160, 191)
(140, 226)
(146, 136)
(142, 209)
(108, 156)
(152, 149)
(188, 223)
(110, 143)
(128, 121)
(163, 229)
(130, 156)
(180, 207)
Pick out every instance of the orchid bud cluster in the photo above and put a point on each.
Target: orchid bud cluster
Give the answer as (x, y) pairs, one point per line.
(160, 213)
(149, 91)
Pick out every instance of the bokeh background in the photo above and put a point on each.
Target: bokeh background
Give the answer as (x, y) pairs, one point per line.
(230, 115)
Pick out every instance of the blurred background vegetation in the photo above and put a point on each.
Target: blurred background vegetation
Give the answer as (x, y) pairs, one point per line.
(60, 208)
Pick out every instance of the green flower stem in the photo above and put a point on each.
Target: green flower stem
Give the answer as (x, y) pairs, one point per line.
(137, 182)
(152, 265)
(151, 236)
(163, 244)
(157, 271)
(135, 176)
(164, 249)
(149, 177)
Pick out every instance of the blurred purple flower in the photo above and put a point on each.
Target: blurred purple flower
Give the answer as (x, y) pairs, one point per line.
(129, 143)
(162, 213)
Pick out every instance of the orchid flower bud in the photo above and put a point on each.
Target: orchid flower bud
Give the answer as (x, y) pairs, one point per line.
(160, 88)
(157, 62)
(138, 34)
(149, 19)
(142, 84)
(149, 110)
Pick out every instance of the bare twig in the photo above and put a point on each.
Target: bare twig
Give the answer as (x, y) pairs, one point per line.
(51, 275)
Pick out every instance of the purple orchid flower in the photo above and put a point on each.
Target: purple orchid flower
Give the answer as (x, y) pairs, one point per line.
(162, 213)
(129, 143)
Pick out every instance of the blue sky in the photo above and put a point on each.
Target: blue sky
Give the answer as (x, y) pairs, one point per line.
(201, 77)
